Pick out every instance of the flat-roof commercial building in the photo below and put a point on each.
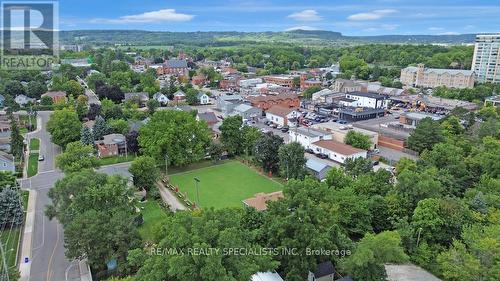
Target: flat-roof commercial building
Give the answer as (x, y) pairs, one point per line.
(338, 151)
(339, 132)
(486, 59)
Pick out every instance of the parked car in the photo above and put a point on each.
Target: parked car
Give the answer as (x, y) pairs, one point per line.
(41, 158)
(322, 156)
(342, 122)
(376, 151)
(285, 129)
(375, 163)
(310, 151)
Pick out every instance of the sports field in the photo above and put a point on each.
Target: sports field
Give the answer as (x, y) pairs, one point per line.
(225, 185)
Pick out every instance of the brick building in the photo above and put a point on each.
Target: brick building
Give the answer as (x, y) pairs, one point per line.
(284, 100)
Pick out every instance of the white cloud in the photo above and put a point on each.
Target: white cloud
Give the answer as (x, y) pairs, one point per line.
(373, 15)
(306, 15)
(302, 27)
(164, 15)
(433, 28)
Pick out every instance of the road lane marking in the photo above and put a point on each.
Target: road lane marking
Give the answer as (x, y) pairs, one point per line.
(43, 231)
(53, 253)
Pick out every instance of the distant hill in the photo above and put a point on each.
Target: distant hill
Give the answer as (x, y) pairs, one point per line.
(303, 37)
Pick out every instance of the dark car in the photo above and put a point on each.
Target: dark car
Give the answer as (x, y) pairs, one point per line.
(310, 151)
(322, 156)
(342, 122)
(285, 129)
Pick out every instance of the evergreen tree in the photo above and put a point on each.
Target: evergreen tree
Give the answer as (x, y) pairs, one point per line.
(87, 137)
(100, 128)
(11, 209)
(17, 144)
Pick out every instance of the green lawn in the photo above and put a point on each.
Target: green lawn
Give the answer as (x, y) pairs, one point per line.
(33, 164)
(116, 160)
(34, 144)
(153, 216)
(224, 185)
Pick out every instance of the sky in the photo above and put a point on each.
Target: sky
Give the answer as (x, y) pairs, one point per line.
(373, 17)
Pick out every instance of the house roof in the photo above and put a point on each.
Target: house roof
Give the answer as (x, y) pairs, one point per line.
(347, 82)
(142, 96)
(6, 156)
(160, 95)
(259, 201)
(310, 132)
(408, 272)
(266, 276)
(273, 97)
(230, 97)
(280, 110)
(316, 165)
(179, 93)
(368, 95)
(338, 147)
(175, 63)
(243, 107)
(209, 117)
(53, 94)
(113, 139)
(324, 269)
(200, 94)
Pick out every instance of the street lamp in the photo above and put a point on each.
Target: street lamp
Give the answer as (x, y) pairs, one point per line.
(197, 181)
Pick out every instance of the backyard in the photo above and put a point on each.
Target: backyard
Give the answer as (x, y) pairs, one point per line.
(225, 185)
(153, 216)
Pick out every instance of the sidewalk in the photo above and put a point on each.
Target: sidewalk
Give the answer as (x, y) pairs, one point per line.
(27, 238)
(170, 198)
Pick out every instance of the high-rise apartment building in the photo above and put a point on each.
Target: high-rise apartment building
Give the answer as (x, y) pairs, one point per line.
(486, 60)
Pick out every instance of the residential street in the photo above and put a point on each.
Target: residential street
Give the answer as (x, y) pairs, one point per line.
(48, 262)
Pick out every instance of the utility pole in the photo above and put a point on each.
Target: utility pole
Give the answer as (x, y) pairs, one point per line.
(166, 164)
(197, 181)
(4, 269)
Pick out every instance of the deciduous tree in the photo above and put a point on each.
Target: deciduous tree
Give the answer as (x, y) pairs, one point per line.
(64, 127)
(77, 157)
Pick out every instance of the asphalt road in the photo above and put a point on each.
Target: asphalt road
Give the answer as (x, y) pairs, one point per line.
(48, 262)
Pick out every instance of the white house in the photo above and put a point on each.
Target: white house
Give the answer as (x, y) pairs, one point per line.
(203, 98)
(368, 100)
(307, 136)
(161, 98)
(23, 100)
(337, 151)
(282, 116)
